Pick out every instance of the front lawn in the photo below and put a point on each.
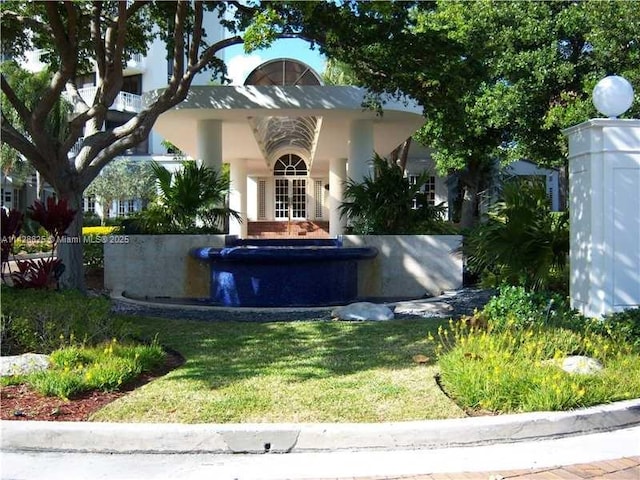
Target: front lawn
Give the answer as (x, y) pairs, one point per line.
(290, 372)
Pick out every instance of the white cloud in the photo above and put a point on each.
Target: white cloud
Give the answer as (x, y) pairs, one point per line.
(240, 66)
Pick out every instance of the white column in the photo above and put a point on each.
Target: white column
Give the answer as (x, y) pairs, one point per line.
(337, 177)
(209, 138)
(238, 197)
(360, 150)
(604, 205)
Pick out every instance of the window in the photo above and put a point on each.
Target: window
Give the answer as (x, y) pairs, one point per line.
(290, 165)
(122, 208)
(87, 80)
(428, 189)
(132, 84)
(283, 72)
(90, 204)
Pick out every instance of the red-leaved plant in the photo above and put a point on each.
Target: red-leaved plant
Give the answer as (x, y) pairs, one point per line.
(55, 218)
(37, 273)
(11, 225)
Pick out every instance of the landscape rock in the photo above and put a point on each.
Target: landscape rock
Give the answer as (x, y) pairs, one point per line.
(363, 311)
(23, 364)
(581, 365)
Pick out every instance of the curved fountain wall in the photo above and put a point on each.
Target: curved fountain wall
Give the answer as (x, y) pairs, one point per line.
(283, 272)
(160, 266)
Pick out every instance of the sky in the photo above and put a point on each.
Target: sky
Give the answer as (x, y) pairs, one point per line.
(239, 64)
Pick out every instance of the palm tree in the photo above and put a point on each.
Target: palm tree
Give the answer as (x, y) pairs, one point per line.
(193, 198)
(384, 204)
(522, 242)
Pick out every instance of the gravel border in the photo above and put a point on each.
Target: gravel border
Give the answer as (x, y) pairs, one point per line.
(450, 304)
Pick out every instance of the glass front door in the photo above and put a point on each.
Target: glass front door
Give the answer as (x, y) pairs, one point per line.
(291, 198)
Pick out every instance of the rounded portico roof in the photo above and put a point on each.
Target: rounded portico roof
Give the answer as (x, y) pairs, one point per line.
(245, 109)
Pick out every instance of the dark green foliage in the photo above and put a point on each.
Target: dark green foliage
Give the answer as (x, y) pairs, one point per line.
(624, 324)
(516, 307)
(384, 205)
(90, 219)
(93, 254)
(193, 199)
(522, 242)
(43, 320)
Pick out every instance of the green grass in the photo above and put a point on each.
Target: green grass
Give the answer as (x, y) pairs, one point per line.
(290, 372)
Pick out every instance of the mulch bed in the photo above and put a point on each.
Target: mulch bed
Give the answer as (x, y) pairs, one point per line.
(19, 402)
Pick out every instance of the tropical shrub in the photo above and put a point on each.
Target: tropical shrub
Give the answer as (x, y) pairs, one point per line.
(55, 217)
(44, 320)
(517, 307)
(384, 204)
(106, 367)
(516, 370)
(522, 242)
(193, 199)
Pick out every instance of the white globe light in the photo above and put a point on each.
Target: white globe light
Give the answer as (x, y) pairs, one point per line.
(613, 96)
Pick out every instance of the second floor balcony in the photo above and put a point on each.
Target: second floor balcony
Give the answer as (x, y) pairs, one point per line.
(124, 102)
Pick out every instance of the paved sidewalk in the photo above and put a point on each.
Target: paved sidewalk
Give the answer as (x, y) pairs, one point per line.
(627, 468)
(608, 455)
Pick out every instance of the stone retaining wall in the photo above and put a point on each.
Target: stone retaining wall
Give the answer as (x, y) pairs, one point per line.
(158, 266)
(408, 265)
(152, 266)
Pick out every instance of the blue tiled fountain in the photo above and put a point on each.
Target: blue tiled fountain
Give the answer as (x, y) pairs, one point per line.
(283, 272)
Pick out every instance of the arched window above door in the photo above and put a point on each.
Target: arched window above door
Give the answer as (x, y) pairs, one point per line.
(290, 165)
(283, 71)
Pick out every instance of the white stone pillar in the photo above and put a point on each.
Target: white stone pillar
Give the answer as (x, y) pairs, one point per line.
(238, 197)
(209, 138)
(337, 177)
(604, 205)
(360, 150)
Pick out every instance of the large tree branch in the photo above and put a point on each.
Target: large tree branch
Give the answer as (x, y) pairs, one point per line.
(197, 34)
(67, 47)
(96, 37)
(30, 23)
(178, 41)
(112, 74)
(16, 103)
(58, 33)
(19, 142)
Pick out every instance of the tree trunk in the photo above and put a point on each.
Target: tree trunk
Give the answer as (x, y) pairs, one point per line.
(70, 250)
(469, 183)
(469, 206)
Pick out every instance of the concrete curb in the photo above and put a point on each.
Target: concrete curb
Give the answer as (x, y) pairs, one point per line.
(285, 438)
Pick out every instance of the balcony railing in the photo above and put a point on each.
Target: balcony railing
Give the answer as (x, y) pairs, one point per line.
(124, 102)
(141, 149)
(136, 62)
(76, 148)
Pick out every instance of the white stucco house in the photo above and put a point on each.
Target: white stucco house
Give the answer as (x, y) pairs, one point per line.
(290, 141)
